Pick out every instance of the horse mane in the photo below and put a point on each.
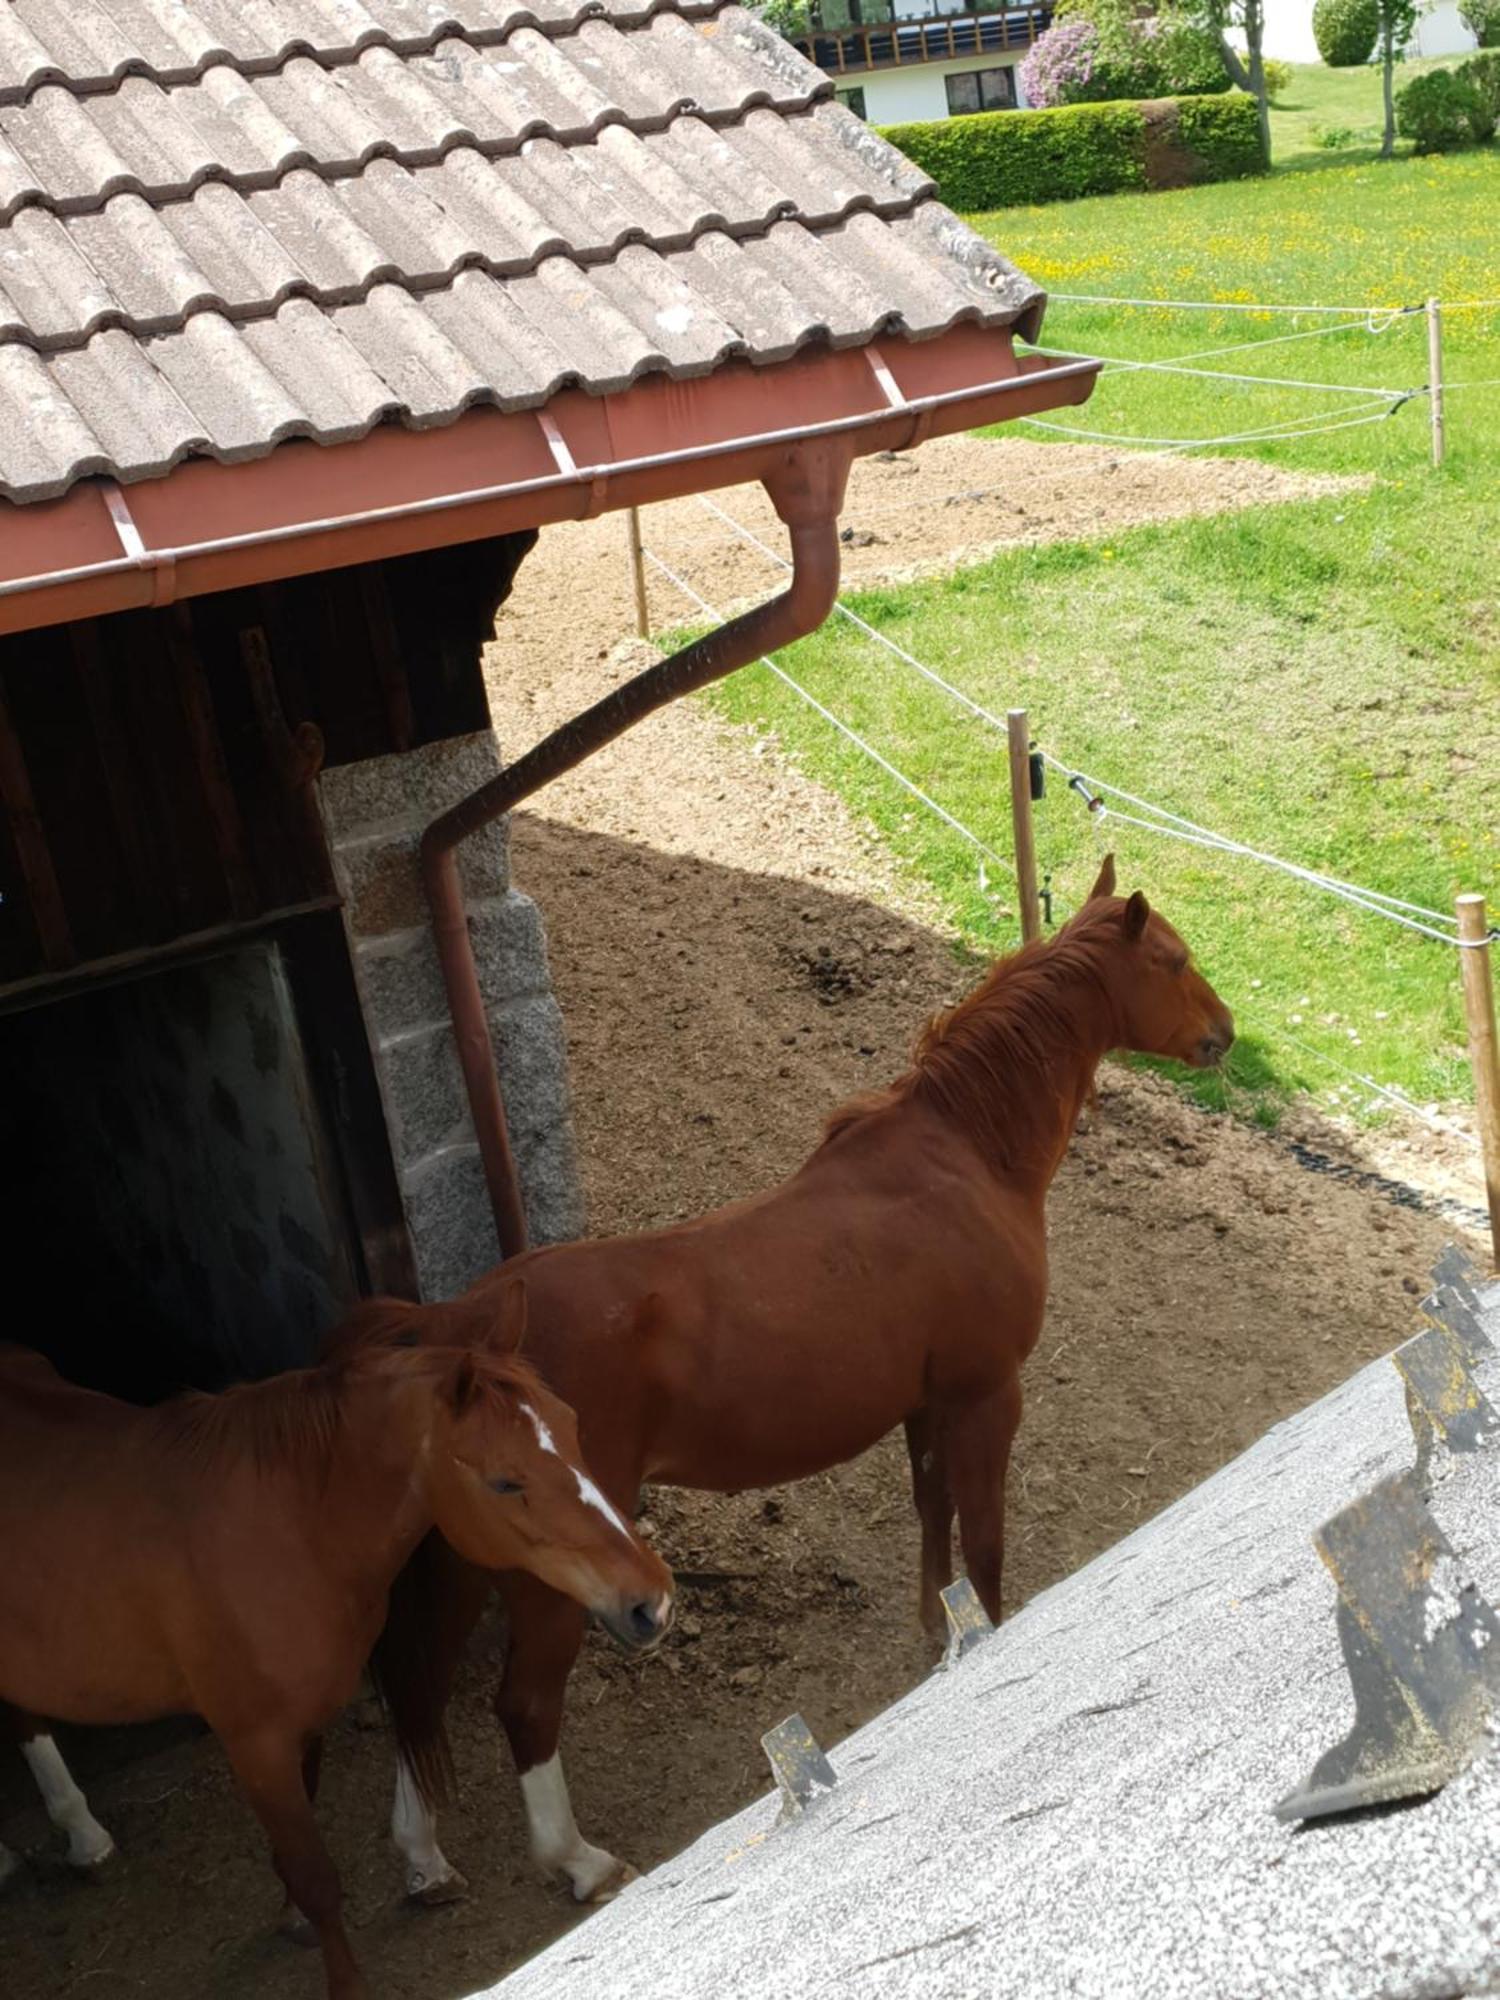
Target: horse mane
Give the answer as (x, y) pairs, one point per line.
(288, 1420)
(1039, 1001)
(294, 1420)
(388, 1322)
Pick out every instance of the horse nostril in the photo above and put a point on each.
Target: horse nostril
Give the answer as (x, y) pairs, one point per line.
(645, 1621)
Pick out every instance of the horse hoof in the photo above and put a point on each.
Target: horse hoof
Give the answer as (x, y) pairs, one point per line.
(605, 1890)
(440, 1890)
(299, 1929)
(91, 1867)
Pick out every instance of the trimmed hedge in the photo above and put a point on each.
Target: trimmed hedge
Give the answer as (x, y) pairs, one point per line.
(1005, 159)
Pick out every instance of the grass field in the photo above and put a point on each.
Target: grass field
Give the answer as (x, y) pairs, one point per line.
(1321, 679)
(1340, 105)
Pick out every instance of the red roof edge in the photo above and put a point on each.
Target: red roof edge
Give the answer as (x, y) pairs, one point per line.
(210, 526)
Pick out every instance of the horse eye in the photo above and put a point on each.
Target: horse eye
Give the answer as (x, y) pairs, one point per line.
(504, 1486)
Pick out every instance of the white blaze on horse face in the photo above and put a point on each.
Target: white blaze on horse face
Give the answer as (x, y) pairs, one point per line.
(556, 1843)
(592, 1497)
(67, 1808)
(414, 1830)
(543, 1435)
(588, 1492)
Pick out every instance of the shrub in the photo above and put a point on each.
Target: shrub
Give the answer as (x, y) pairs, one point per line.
(1221, 137)
(1482, 19)
(1186, 56)
(997, 159)
(1102, 51)
(1001, 159)
(1439, 110)
(1482, 74)
(1278, 76)
(792, 18)
(1345, 31)
(1331, 137)
(1059, 65)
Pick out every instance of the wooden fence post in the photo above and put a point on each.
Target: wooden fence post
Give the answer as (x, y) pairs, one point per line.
(1435, 375)
(638, 571)
(1019, 737)
(1479, 1005)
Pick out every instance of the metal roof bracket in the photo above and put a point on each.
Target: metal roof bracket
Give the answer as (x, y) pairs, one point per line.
(1446, 1406)
(1423, 1653)
(1457, 1269)
(968, 1621)
(798, 1765)
(1447, 1307)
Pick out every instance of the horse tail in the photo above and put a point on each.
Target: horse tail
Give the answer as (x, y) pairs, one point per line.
(412, 1669)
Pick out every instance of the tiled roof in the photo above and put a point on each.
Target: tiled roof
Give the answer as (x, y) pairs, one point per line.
(228, 222)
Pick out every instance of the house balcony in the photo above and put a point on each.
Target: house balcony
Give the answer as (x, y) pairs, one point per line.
(881, 39)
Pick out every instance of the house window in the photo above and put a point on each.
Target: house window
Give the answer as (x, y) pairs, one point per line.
(854, 99)
(981, 90)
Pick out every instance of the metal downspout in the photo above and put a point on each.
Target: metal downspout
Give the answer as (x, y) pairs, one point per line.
(807, 490)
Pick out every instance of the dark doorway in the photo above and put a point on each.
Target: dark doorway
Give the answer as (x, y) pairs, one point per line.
(182, 1213)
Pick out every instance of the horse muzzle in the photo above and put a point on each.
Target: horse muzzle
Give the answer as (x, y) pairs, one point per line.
(640, 1624)
(1212, 1047)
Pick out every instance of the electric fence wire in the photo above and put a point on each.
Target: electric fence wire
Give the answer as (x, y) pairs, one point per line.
(1288, 430)
(695, 597)
(1413, 916)
(869, 750)
(1114, 363)
(1393, 1096)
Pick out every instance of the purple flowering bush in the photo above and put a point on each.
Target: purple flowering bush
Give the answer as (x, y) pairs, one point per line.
(1059, 66)
(1102, 49)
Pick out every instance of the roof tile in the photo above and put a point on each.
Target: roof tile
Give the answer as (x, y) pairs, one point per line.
(223, 225)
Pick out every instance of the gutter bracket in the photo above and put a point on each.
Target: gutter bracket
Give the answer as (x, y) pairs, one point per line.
(1423, 1653)
(798, 1764)
(968, 1621)
(160, 563)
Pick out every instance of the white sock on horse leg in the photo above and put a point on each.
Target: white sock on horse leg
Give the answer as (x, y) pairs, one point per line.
(556, 1843)
(67, 1808)
(414, 1830)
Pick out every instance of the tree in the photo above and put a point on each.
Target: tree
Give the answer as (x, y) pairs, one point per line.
(1398, 23)
(1249, 72)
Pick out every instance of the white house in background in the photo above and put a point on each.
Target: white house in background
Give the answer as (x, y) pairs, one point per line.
(898, 61)
(1289, 35)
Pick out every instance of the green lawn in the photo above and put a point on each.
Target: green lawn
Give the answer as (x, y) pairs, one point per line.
(1317, 678)
(1334, 113)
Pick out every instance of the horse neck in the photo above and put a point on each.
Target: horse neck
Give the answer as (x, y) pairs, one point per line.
(1014, 1065)
(376, 1504)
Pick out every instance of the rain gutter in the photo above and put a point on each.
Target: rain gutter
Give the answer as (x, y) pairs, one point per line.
(807, 490)
(150, 571)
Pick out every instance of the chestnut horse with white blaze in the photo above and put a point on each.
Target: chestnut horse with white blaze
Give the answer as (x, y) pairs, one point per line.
(899, 1277)
(232, 1557)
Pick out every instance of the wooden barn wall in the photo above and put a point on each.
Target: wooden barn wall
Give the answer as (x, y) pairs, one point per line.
(148, 770)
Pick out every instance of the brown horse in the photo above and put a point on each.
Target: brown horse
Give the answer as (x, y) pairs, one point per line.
(231, 1556)
(898, 1277)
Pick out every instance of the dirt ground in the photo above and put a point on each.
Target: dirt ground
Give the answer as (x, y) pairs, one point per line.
(734, 956)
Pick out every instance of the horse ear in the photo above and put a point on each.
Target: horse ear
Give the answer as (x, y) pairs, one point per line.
(1137, 910)
(463, 1386)
(1105, 886)
(510, 1327)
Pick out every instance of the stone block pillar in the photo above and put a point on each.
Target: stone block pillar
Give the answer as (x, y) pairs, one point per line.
(374, 813)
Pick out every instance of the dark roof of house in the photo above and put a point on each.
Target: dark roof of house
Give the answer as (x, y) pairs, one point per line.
(1085, 1804)
(224, 223)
